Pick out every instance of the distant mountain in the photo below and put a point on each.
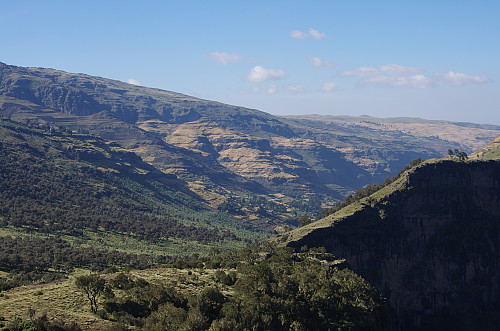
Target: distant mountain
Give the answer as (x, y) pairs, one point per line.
(258, 167)
(429, 242)
(469, 136)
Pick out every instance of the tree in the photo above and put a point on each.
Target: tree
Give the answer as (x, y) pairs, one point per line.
(92, 285)
(304, 220)
(461, 155)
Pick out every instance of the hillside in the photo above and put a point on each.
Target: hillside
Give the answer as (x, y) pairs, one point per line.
(88, 190)
(258, 167)
(429, 242)
(489, 152)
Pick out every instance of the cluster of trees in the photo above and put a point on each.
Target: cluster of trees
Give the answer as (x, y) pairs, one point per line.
(311, 206)
(260, 205)
(47, 187)
(274, 289)
(31, 260)
(461, 155)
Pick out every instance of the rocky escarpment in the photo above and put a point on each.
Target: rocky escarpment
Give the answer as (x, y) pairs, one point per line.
(430, 243)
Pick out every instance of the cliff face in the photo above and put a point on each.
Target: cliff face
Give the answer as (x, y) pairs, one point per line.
(431, 245)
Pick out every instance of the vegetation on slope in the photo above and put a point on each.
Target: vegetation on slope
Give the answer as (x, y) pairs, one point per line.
(31, 260)
(490, 151)
(78, 185)
(260, 288)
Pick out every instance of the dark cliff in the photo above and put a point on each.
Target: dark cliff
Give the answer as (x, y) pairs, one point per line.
(430, 243)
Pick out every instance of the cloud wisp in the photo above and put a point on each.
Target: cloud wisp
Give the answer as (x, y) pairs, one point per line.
(417, 81)
(135, 82)
(311, 33)
(394, 75)
(320, 63)
(296, 88)
(329, 87)
(396, 69)
(261, 74)
(360, 72)
(271, 89)
(268, 89)
(459, 79)
(315, 34)
(224, 58)
(296, 34)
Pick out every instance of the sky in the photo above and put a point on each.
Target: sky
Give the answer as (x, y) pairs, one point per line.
(430, 59)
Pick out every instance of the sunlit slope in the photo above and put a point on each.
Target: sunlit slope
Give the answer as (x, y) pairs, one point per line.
(490, 151)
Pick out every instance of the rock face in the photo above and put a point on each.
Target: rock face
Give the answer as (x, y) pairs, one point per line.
(431, 245)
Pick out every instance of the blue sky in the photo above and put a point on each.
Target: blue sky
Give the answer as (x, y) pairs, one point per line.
(429, 59)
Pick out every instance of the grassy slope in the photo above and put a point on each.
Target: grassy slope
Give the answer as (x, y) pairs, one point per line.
(63, 301)
(60, 300)
(490, 151)
(376, 198)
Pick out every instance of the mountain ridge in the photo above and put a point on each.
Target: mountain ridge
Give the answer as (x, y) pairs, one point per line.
(223, 151)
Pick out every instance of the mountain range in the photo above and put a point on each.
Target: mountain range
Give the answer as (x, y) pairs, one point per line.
(260, 168)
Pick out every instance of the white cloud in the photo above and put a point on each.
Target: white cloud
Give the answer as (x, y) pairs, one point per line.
(417, 81)
(135, 82)
(329, 87)
(390, 69)
(261, 74)
(423, 81)
(360, 72)
(315, 34)
(396, 69)
(296, 34)
(224, 58)
(459, 79)
(394, 75)
(296, 88)
(269, 89)
(319, 63)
